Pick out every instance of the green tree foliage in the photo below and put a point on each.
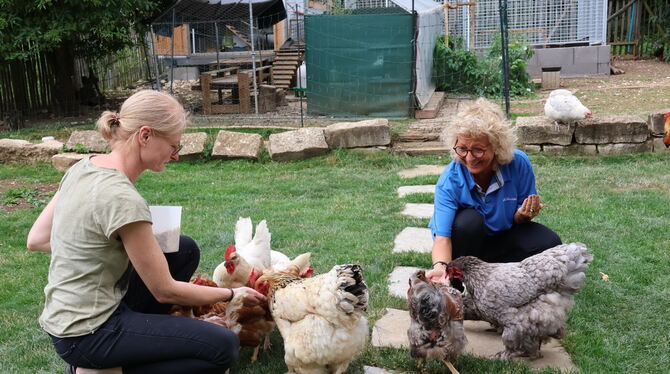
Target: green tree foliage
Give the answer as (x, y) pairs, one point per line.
(92, 27)
(461, 71)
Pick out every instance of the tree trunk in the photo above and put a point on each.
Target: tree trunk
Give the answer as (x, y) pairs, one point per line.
(62, 66)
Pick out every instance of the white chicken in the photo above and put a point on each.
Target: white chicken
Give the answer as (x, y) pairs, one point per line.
(564, 107)
(321, 319)
(257, 250)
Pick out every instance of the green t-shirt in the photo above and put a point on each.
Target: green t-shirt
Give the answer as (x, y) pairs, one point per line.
(88, 270)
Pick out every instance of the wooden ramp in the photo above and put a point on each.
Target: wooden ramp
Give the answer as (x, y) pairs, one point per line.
(432, 108)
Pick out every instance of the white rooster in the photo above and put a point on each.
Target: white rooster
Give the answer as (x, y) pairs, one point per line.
(564, 107)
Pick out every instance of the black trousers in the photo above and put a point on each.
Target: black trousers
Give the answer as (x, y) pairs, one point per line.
(141, 337)
(470, 237)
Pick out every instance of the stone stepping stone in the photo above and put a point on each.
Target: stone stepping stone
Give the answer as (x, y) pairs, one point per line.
(420, 170)
(408, 190)
(418, 210)
(376, 370)
(398, 280)
(414, 239)
(391, 331)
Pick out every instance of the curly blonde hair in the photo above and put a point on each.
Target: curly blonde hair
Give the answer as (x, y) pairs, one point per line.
(158, 110)
(483, 118)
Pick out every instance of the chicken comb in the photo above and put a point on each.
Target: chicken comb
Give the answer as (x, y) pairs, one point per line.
(198, 279)
(231, 248)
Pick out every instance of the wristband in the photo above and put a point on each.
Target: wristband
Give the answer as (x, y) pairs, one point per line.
(439, 262)
(232, 294)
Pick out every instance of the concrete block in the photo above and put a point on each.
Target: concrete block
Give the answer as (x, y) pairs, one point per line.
(414, 239)
(586, 55)
(555, 57)
(418, 210)
(603, 54)
(573, 149)
(185, 73)
(604, 68)
(612, 129)
(625, 148)
(542, 130)
(580, 69)
(421, 170)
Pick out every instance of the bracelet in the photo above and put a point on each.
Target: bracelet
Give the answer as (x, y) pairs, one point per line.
(232, 294)
(439, 262)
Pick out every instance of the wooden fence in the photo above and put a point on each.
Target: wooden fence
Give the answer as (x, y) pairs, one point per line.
(631, 29)
(29, 88)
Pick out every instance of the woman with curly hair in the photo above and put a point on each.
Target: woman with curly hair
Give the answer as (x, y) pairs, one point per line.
(485, 200)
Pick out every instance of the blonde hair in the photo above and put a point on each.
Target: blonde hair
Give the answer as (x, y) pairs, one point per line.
(483, 118)
(158, 110)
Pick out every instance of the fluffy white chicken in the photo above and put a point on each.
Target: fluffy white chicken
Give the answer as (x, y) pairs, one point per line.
(257, 250)
(564, 107)
(528, 300)
(321, 319)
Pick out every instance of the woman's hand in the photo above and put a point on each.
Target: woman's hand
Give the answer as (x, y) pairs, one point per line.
(438, 274)
(529, 209)
(251, 296)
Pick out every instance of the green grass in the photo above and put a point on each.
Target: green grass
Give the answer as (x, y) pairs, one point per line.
(343, 207)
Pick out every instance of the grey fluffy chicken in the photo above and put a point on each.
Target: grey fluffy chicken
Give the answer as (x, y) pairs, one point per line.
(436, 326)
(527, 301)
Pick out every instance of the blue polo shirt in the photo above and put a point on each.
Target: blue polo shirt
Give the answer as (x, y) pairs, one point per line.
(456, 189)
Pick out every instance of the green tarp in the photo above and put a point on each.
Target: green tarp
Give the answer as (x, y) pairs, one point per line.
(359, 65)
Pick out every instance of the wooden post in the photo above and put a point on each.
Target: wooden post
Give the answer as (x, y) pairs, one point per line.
(205, 80)
(244, 92)
(472, 25)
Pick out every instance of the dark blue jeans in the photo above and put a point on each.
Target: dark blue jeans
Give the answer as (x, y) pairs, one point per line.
(141, 337)
(470, 237)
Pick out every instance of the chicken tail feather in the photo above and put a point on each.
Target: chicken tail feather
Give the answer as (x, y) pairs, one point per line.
(354, 291)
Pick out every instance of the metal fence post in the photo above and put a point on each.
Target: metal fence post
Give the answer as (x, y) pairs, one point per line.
(504, 51)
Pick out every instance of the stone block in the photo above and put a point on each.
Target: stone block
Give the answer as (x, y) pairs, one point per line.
(542, 130)
(573, 149)
(656, 123)
(235, 145)
(358, 134)
(530, 148)
(193, 145)
(89, 139)
(414, 239)
(63, 161)
(398, 280)
(658, 145)
(625, 148)
(421, 170)
(612, 129)
(22, 151)
(299, 144)
(418, 210)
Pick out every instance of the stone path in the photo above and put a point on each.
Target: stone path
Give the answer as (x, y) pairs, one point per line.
(418, 210)
(391, 329)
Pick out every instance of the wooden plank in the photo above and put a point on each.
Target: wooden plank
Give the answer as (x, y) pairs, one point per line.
(278, 31)
(244, 92)
(205, 80)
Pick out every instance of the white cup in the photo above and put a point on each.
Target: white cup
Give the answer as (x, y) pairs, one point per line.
(166, 226)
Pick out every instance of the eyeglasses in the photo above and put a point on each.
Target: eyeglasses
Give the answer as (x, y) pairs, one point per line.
(475, 152)
(175, 148)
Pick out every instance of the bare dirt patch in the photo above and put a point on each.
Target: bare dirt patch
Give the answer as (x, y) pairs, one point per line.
(643, 88)
(15, 195)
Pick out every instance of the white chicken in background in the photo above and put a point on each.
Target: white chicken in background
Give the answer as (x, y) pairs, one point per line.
(564, 107)
(257, 251)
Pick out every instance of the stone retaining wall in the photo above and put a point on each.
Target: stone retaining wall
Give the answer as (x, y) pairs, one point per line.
(607, 135)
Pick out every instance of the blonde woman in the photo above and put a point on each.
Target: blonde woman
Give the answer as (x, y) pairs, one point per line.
(110, 286)
(486, 199)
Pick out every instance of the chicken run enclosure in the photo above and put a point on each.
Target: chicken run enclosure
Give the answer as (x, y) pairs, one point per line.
(370, 57)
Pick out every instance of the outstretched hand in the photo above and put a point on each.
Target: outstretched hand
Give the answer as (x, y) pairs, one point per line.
(251, 296)
(530, 208)
(438, 275)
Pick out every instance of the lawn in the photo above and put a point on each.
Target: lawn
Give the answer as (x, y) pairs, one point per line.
(343, 207)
